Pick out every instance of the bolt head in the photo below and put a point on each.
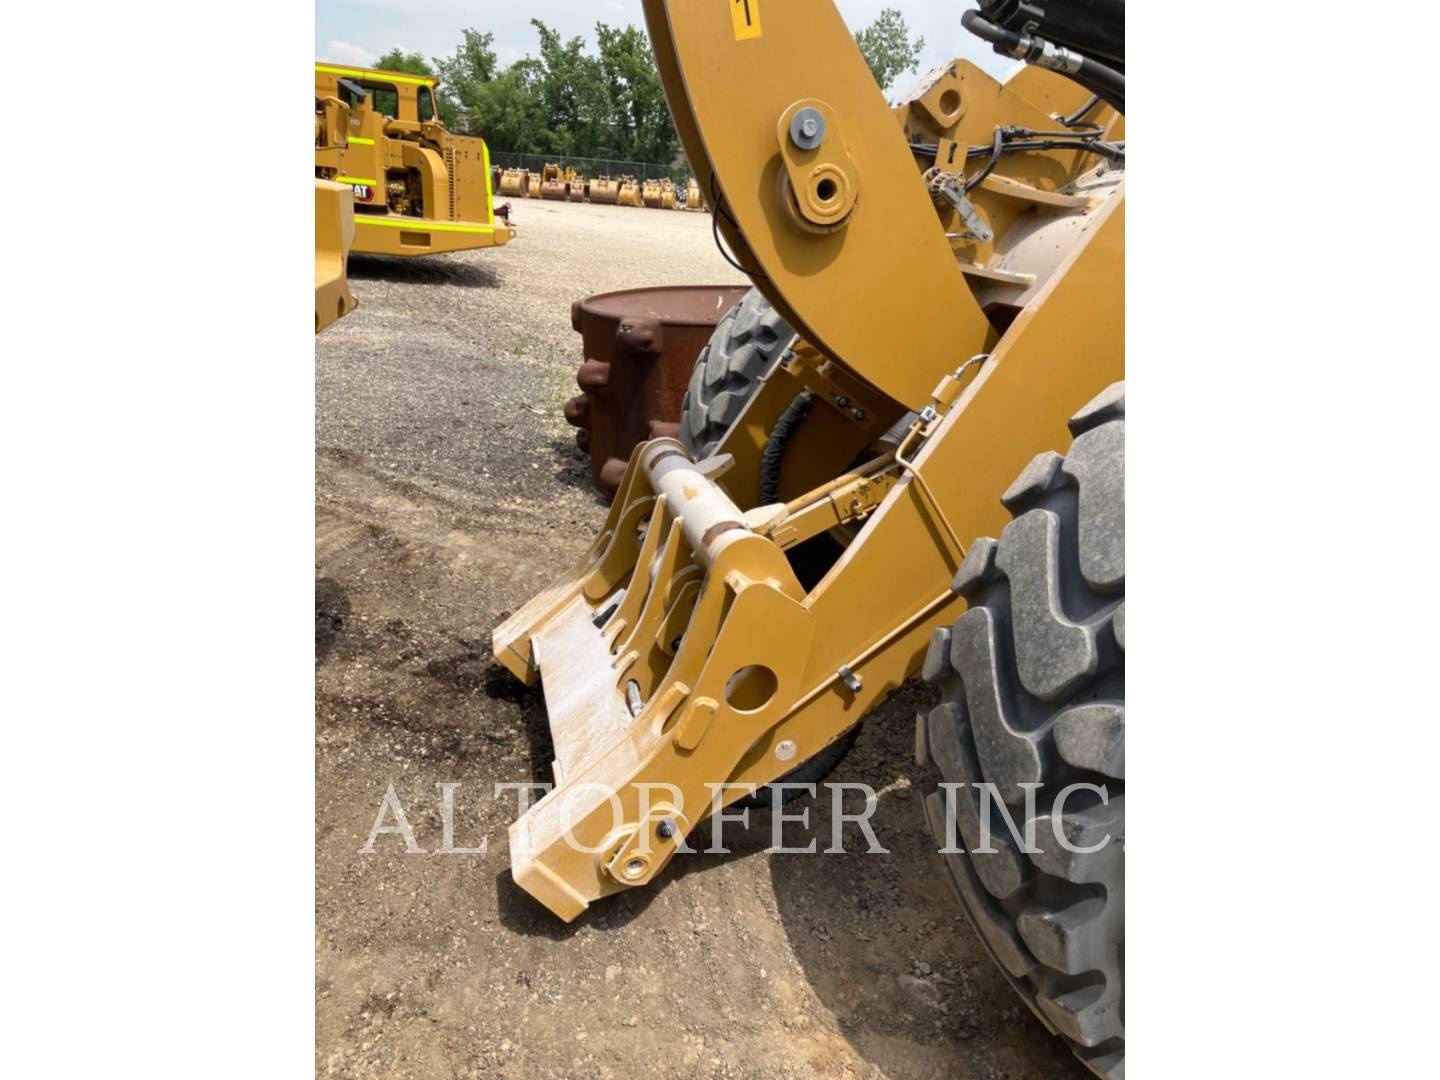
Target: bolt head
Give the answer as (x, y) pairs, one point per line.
(807, 129)
(634, 868)
(666, 829)
(785, 749)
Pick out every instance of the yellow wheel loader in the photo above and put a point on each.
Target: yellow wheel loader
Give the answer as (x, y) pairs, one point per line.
(903, 454)
(418, 189)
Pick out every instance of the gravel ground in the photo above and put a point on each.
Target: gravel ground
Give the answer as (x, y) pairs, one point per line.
(449, 490)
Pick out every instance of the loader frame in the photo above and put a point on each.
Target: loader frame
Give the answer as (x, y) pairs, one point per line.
(684, 661)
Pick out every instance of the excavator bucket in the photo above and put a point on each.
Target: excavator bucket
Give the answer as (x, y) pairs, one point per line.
(552, 184)
(693, 198)
(515, 183)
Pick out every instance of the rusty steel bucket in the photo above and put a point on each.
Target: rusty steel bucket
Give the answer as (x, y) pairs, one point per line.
(640, 347)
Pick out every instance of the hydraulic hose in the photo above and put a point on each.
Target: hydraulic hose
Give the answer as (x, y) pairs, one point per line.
(1094, 28)
(1096, 77)
(778, 443)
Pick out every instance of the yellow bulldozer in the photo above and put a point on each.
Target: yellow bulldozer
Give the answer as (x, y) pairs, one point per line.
(418, 189)
(902, 454)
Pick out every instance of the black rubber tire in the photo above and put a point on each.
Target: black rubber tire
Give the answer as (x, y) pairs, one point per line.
(745, 345)
(1032, 681)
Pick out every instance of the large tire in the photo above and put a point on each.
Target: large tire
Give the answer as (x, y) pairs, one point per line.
(1033, 691)
(746, 343)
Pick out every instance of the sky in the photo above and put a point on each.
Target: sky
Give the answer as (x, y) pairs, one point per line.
(357, 31)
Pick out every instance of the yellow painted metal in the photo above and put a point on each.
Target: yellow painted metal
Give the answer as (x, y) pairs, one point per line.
(365, 73)
(630, 192)
(833, 281)
(604, 191)
(693, 199)
(418, 189)
(334, 234)
(514, 183)
(683, 651)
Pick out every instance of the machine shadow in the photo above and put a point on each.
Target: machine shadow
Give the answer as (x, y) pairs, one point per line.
(572, 467)
(430, 270)
(523, 914)
(881, 937)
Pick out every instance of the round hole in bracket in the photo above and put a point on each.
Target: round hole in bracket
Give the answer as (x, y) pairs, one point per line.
(751, 688)
(950, 102)
(825, 190)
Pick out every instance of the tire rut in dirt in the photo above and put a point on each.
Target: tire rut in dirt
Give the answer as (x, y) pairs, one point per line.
(1032, 681)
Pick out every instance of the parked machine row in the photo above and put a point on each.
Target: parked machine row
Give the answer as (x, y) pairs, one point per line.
(563, 184)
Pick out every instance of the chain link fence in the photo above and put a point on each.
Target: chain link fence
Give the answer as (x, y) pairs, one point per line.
(592, 167)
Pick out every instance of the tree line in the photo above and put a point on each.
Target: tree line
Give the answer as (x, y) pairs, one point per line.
(567, 101)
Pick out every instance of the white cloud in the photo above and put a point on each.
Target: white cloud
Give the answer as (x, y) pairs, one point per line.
(342, 52)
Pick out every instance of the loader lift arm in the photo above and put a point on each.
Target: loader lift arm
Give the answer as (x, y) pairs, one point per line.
(684, 650)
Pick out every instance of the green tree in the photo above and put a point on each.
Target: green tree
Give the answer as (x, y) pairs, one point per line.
(639, 118)
(405, 63)
(887, 47)
(571, 91)
(463, 78)
(508, 113)
(563, 102)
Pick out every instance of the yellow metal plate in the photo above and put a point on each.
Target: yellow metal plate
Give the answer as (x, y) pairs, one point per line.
(883, 294)
(745, 14)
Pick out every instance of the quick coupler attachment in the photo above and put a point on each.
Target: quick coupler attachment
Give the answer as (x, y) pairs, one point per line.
(668, 656)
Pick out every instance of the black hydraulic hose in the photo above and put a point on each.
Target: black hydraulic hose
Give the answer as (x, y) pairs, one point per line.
(995, 152)
(1087, 145)
(983, 28)
(1096, 77)
(1095, 146)
(1091, 27)
(1102, 80)
(1078, 115)
(778, 443)
(717, 208)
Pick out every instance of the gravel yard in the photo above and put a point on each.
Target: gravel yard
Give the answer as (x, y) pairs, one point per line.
(448, 491)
